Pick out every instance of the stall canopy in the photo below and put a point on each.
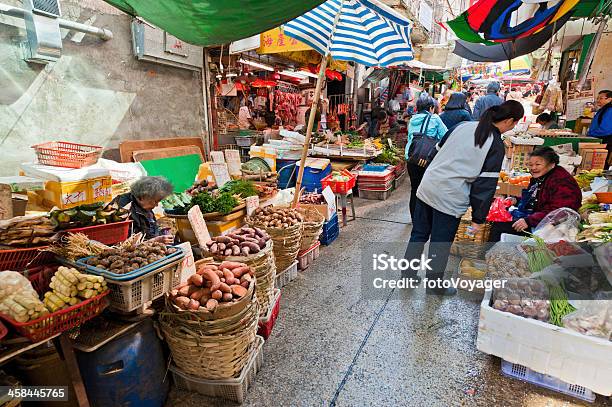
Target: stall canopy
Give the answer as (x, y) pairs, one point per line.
(215, 22)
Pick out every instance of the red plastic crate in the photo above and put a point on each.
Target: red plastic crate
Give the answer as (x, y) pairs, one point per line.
(108, 234)
(19, 259)
(66, 154)
(267, 322)
(60, 321)
(40, 277)
(339, 187)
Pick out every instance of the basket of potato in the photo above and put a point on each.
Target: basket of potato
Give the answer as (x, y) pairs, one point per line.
(285, 227)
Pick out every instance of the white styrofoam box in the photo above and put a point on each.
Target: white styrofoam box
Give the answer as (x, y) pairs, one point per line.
(545, 348)
(60, 174)
(570, 160)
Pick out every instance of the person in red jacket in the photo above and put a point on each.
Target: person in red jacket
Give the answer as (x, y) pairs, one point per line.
(551, 187)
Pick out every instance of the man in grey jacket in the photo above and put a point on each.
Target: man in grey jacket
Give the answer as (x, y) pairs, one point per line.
(487, 101)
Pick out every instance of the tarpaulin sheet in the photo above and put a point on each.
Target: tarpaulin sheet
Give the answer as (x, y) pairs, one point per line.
(215, 22)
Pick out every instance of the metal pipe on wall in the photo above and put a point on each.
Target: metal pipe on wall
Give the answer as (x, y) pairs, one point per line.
(102, 33)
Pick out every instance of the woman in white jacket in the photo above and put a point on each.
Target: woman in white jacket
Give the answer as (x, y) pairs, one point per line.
(463, 174)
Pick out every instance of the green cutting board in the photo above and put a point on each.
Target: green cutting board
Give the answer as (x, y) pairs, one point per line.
(180, 171)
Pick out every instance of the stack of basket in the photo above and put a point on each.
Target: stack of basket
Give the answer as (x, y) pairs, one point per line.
(209, 345)
(313, 226)
(262, 263)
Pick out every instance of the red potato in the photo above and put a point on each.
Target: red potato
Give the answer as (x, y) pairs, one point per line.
(193, 305)
(228, 275)
(211, 304)
(227, 297)
(245, 284)
(219, 273)
(239, 291)
(212, 276)
(217, 295)
(184, 291)
(231, 265)
(215, 287)
(201, 293)
(225, 288)
(182, 302)
(238, 272)
(196, 280)
(246, 277)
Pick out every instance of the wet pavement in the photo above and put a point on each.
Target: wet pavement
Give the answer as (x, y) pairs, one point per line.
(332, 346)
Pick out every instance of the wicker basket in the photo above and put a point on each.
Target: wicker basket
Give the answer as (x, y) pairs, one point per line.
(211, 353)
(473, 247)
(262, 263)
(286, 242)
(313, 226)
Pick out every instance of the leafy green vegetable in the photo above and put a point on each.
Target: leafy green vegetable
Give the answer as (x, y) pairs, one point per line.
(240, 187)
(224, 203)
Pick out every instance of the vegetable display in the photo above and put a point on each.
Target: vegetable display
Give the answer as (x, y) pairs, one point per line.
(26, 230)
(69, 287)
(127, 258)
(596, 233)
(585, 178)
(177, 202)
(240, 187)
(202, 186)
(524, 297)
(223, 203)
(339, 177)
(243, 242)
(594, 319)
(18, 299)
(74, 246)
(88, 215)
(276, 217)
(389, 155)
(213, 286)
(538, 255)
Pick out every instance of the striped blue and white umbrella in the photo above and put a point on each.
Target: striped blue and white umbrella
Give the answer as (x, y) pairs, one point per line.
(363, 31)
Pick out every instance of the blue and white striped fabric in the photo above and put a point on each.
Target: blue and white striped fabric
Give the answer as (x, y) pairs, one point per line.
(367, 32)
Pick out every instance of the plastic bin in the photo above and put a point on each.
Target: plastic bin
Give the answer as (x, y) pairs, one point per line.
(287, 176)
(127, 296)
(109, 234)
(524, 373)
(307, 257)
(286, 276)
(234, 389)
(266, 323)
(331, 231)
(129, 370)
(313, 177)
(66, 195)
(340, 187)
(374, 195)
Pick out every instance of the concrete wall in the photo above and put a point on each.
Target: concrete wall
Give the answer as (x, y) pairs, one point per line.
(602, 62)
(97, 93)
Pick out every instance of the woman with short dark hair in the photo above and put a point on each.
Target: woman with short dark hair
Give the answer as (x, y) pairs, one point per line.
(145, 194)
(546, 121)
(551, 187)
(455, 110)
(463, 174)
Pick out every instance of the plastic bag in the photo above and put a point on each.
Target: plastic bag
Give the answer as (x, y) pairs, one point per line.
(499, 211)
(12, 282)
(560, 224)
(595, 319)
(525, 297)
(504, 260)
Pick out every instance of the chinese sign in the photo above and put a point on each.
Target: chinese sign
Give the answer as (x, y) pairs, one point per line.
(274, 41)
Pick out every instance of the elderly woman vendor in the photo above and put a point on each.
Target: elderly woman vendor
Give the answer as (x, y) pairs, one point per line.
(551, 187)
(145, 194)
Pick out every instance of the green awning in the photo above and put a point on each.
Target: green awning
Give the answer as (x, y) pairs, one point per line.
(215, 22)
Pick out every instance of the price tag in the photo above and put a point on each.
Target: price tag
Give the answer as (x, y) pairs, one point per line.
(217, 156)
(187, 267)
(198, 224)
(232, 157)
(330, 198)
(221, 173)
(252, 203)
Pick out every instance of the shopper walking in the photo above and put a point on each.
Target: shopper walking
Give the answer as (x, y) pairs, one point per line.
(455, 110)
(514, 94)
(485, 102)
(428, 123)
(463, 174)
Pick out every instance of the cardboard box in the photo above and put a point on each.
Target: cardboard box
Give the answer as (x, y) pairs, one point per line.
(505, 188)
(594, 159)
(323, 209)
(582, 147)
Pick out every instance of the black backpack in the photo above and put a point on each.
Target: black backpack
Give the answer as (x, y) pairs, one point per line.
(422, 147)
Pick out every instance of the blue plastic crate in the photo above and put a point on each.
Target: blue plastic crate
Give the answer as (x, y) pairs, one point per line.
(331, 230)
(375, 168)
(524, 373)
(313, 176)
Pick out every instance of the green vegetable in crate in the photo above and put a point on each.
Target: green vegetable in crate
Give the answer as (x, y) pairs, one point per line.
(88, 215)
(224, 203)
(538, 256)
(177, 202)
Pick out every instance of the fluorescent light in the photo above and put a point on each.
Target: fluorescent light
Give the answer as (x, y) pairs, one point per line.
(256, 65)
(231, 75)
(292, 74)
